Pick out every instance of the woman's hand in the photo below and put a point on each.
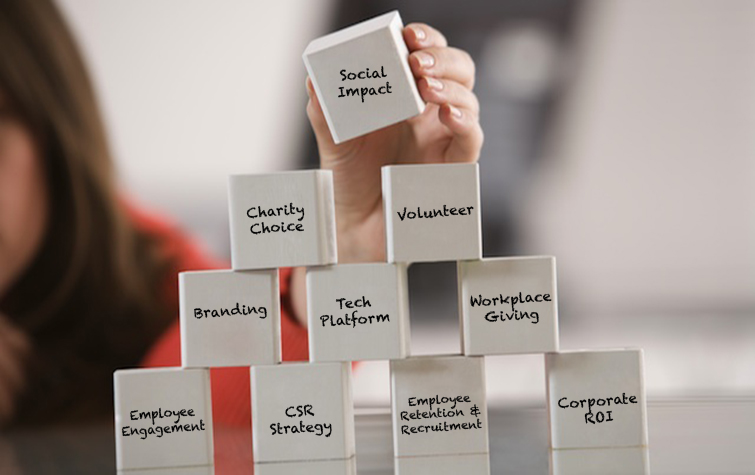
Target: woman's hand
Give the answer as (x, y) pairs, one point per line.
(448, 131)
(14, 350)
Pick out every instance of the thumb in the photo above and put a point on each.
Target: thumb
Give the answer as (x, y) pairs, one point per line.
(319, 124)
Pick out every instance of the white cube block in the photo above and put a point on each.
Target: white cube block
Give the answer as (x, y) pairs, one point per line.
(508, 305)
(317, 467)
(596, 399)
(432, 212)
(282, 219)
(438, 406)
(302, 411)
(362, 77)
(229, 318)
(606, 461)
(358, 312)
(474, 464)
(205, 470)
(163, 418)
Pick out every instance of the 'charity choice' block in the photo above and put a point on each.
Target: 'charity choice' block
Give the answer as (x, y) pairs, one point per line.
(358, 312)
(361, 76)
(229, 318)
(163, 418)
(282, 220)
(302, 411)
(432, 212)
(508, 305)
(438, 406)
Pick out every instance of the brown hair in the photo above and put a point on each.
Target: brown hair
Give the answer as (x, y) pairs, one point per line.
(91, 299)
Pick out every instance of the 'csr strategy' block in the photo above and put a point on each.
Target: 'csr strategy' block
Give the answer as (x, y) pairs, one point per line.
(432, 212)
(508, 305)
(163, 418)
(362, 77)
(438, 406)
(358, 312)
(229, 318)
(596, 399)
(302, 411)
(282, 220)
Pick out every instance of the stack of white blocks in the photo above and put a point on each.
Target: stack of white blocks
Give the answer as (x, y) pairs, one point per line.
(303, 418)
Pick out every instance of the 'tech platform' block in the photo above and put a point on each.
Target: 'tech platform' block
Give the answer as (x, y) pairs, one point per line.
(358, 312)
(163, 418)
(508, 305)
(362, 77)
(432, 212)
(596, 399)
(229, 318)
(438, 406)
(282, 220)
(302, 411)
(605, 461)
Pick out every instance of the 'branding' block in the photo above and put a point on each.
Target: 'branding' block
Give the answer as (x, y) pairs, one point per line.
(362, 77)
(302, 411)
(432, 212)
(358, 312)
(229, 318)
(282, 220)
(508, 305)
(163, 418)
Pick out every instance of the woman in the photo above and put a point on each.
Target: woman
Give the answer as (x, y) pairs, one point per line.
(88, 283)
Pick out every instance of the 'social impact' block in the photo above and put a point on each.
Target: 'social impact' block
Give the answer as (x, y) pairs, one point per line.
(229, 318)
(361, 76)
(508, 305)
(358, 312)
(438, 406)
(302, 411)
(282, 220)
(596, 399)
(474, 464)
(163, 418)
(432, 212)
(604, 461)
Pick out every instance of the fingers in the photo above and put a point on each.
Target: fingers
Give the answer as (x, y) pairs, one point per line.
(441, 91)
(317, 118)
(419, 35)
(468, 136)
(444, 63)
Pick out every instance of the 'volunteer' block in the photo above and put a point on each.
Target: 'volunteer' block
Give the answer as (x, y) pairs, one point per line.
(229, 318)
(358, 312)
(282, 220)
(302, 411)
(438, 406)
(508, 305)
(596, 399)
(432, 212)
(163, 418)
(362, 77)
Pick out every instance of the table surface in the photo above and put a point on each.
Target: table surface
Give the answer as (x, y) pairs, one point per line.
(689, 437)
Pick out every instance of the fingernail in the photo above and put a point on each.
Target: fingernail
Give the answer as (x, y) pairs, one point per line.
(454, 111)
(425, 60)
(309, 86)
(434, 83)
(419, 33)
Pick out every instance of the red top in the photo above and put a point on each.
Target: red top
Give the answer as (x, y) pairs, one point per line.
(231, 398)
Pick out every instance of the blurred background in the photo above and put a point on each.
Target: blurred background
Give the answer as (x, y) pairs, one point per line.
(619, 138)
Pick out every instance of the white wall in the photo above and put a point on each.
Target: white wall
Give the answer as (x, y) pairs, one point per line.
(194, 90)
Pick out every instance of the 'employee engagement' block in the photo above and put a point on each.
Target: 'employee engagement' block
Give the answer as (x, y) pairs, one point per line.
(438, 406)
(358, 312)
(163, 418)
(282, 219)
(596, 399)
(508, 305)
(229, 318)
(302, 411)
(432, 212)
(362, 77)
